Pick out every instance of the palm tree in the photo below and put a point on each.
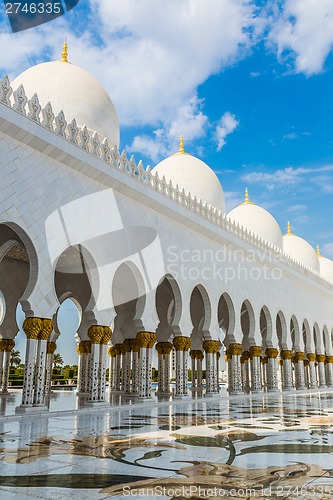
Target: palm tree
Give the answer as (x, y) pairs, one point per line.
(15, 358)
(57, 360)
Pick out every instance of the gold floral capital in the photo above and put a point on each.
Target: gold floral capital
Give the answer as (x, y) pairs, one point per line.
(107, 335)
(286, 354)
(235, 349)
(311, 356)
(32, 327)
(152, 340)
(10, 344)
(264, 360)
(182, 343)
(255, 351)
(47, 328)
(3, 343)
(321, 358)
(211, 346)
(329, 359)
(51, 347)
(299, 356)
(96, 333)
(143, 339)
(271, 352)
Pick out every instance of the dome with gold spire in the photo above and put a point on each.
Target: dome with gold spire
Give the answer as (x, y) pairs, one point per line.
(75, 91)
(257, 220)
(192, 175)
(326, 266)
(300, 250)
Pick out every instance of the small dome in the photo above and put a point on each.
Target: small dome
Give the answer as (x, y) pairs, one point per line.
(300, 250)
(75, 91)
(326, 267)
(257, 220)
(192, 175)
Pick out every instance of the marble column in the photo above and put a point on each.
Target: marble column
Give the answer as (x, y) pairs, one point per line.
(287, 370)
(312, 371)
(200, 357)
(82, 367)
(6, 365)
(329, 371)
(112, 368)
(263, 361)
(321, 358)
(51, 347)
(40, 368)
(272, 382)
(210, 347)
(102, 363)
(255, 353)
(135, 366)
(235, 383)
(298, 361)
(194, 372)
(306, 373)
(32, 328)
(181, 344)
(95, 333)
(217, 369)
(163, 350)
(3, 344)
(143, 339)
(118, 372)
(126, 364)
(149, 379)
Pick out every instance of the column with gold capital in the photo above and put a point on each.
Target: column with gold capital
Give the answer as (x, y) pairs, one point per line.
(272, 380)
(245, 370)
(95, 333)
(3, 344)
(329, 371)
(312, 370)
(103, 362)
(321, 358)
(40, 369)
(235, 383)
(209, 347)
(255, 353)
(200, 357)
(287, 377)
(126, 364)
(135, 366)
(112, 369)
(150, 346)
(143, 339)
(160, 368)
(31, 327)
(50, 349)
(118, 378)
(298, 360)
(194, 370)
(185, 364)
(6, 364)
(180, 344)
(82, 362)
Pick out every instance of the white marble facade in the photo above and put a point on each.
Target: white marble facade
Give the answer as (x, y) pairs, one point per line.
(149, 264)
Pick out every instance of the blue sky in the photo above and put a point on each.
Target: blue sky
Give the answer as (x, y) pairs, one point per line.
(248, 83)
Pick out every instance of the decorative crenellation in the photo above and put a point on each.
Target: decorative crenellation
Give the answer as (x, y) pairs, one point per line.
(31, 109)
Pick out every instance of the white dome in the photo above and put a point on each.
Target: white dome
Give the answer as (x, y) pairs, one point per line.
(326, 268)
(194, 176)
(301, 250)
(71, 89)
(257, 220)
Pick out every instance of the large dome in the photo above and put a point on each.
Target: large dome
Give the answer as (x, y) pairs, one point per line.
(326, 267)
(75, 91)
(257, 220)
(301, 250)
(194, 176)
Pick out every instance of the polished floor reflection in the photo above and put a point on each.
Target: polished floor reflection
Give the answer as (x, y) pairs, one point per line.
(277, 446)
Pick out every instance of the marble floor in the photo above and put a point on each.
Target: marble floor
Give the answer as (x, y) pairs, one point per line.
(272, 446)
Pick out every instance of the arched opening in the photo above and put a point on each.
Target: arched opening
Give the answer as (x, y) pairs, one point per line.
(296, 339)
(306, 333)
(168, 306)
(248, 325)
(200, 310)
(226, 319)
(266, 328)
(281, 330)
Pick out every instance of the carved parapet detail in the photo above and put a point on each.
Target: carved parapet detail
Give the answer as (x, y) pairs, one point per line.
(286, 354)
(311, 356)
(255, 351)
(32, 327)
(271, 352)
(51, 347)
(96, 333)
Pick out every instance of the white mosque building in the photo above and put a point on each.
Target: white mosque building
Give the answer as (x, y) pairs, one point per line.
(149, 257)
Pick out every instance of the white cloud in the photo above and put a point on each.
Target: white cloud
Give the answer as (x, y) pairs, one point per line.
(227, 124)
(297, 208)
(303, 29)
(327, 250)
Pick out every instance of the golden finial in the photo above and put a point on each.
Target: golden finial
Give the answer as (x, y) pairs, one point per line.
(318, 251)
(181, 145)
(64, 55)
(289, 233)
(247, 198)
